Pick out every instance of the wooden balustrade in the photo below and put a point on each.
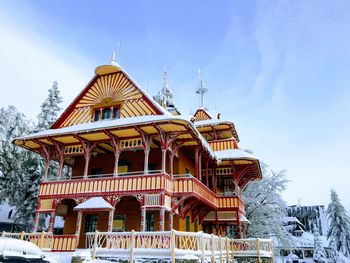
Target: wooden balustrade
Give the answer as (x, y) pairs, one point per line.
(172, 244)
(133, 183)
(179, 185)
(190, 184)
(47, 241)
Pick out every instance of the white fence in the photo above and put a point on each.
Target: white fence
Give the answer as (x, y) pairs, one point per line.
(175, 244)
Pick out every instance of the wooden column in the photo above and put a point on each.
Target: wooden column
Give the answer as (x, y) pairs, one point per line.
(87, 149)
(46, 152)
(52, 221)
(78, 224)
(196, 161)
(161, 219)
(60, 153)
(171, 220)
(143, 219)
(146, 145)
(165, 141)
(238, 226)
(36, 221)
(214, 179)
(171, 163)
(200, 166)
(207, 172)
(110, 220)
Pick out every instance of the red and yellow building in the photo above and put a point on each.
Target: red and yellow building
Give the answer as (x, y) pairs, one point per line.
(137, 166)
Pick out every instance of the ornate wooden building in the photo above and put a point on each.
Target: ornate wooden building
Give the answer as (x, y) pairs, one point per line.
(138, 164)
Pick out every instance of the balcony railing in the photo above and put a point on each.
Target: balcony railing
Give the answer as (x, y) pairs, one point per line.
(131, 182)
(175, 244)
(47, 241)
(188, 184)
(137, 182)
(167, 245)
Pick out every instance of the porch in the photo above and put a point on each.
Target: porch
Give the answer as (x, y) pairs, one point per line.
(167, 245)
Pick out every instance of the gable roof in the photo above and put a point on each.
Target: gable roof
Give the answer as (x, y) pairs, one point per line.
(110, 83)
(201, 115)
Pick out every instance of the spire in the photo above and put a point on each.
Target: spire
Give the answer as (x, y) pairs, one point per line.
(201, 89)
(165, 95)
(168, 94)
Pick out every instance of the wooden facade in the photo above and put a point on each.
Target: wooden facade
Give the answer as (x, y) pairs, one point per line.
(155, 171)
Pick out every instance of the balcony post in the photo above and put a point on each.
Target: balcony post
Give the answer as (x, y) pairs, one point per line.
(51, 222)
(87, 149)
(196, 161)
(200, 166)
(207, 172)
(46, 152)
(165, 141)
(171, 220)
(143, 219)
(171, 163)
(147, 140)
(116, 149)
(78, 225)
(161, 219)
(214, 179)
(60, 152)
(36, 221)
(110, 220)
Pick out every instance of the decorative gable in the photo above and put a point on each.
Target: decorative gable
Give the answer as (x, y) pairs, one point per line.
(202, 115)
(109, 90)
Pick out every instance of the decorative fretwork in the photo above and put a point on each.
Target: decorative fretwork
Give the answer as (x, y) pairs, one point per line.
(73, 150)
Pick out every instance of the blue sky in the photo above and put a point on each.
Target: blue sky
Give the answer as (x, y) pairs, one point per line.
(279, 69)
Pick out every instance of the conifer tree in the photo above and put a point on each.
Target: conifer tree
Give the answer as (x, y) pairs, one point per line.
(50, 108)
(19, 168)
(319, 251)
(339, 225)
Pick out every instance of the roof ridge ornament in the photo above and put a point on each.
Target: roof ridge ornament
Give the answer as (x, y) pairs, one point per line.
(201, 89)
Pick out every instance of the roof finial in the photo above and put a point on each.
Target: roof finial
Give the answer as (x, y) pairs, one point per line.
(115, 58)
(201, 89)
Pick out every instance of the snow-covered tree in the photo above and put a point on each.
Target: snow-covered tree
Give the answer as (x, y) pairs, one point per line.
(19, 169)
(319, 251)
(339, 225)
(265, 208)
(50, 108)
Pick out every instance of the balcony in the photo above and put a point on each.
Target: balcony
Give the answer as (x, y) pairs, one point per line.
(138, 183)
(106, 184)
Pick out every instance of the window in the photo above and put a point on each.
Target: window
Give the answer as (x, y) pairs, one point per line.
(188, 224)
(107, 113)
(90, 223)
(149, 221)
(119, 223)
(196, 225)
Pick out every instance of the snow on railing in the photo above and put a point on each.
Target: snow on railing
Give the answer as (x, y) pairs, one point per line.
(173, 244)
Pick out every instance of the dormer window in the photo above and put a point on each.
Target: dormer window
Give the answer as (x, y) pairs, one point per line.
(107, 113)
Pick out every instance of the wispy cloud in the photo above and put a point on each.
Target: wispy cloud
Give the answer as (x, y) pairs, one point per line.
(29, 65)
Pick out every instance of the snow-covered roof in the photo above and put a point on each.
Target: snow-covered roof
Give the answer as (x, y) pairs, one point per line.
(306, 240)
(94, 203)
(212, 121)
(98, 125)
(234, 154)
(243, 219)
(291, 219)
